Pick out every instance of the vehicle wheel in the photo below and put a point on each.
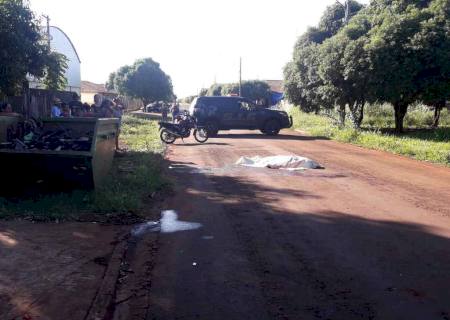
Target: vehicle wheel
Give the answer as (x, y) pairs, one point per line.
(262, 131)
(213, 129)
(167, 137)
(201, 135)
(272, 128)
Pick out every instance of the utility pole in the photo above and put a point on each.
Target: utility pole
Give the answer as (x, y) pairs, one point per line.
(346, 6)
(240, 76)
(47, 18)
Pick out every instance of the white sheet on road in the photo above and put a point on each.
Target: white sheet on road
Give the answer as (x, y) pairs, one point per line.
(291, 162)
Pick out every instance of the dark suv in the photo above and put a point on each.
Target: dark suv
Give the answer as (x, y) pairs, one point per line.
(225, 113)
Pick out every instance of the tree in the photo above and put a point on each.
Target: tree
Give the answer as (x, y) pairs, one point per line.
(215, 90)
(144, 80)
(24, 51)
(251, 89)
(345, 70)
(110, 84)
(395, 61)
(303, 83)
(335, 17)
(394, 51)
(435, 57)
(188, 99)
(55, 78)
(203, 92)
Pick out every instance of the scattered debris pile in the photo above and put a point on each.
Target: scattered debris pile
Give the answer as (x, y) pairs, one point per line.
(36, 138)
(291, 163)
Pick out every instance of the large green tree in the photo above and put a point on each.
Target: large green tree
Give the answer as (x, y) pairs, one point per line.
(303, 83)
(394, 51)
(434, 43)
(215, 90)
(24, 50)
(345, 69)
(395, 62)
(251, 89)
(144, 80)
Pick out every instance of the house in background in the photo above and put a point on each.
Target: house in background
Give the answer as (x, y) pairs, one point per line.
(275, 85)
(277, 92)
(90, 89)
(61, 43)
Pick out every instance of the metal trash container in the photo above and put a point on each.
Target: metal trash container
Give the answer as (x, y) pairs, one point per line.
(54, 169)
(7, 121)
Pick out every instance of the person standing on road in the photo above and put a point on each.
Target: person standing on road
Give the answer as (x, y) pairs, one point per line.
(175, 111)
(164, 112)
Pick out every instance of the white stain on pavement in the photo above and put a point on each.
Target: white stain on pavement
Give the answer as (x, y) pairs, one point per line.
(168, 223)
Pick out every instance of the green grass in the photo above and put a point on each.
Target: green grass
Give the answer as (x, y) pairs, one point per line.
(141, 135)
(136, 177)
(418, 116)
(421, 144)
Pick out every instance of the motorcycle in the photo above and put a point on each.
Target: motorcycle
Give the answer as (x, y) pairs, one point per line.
(182, 129)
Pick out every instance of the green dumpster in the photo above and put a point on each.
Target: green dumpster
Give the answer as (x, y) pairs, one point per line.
(32, 170)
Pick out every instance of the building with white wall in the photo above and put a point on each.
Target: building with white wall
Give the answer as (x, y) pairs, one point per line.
(61, 43)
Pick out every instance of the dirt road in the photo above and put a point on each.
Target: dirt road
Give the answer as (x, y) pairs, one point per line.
(368, 237)
(52, 271)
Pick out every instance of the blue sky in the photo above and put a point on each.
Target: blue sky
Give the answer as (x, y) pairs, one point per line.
(196, 42)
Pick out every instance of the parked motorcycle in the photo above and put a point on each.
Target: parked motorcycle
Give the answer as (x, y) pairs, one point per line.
(182, 129)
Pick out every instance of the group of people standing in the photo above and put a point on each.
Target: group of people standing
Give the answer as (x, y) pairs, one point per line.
(104, 108)
(174, 109)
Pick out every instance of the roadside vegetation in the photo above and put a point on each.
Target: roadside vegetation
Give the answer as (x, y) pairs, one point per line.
(21, 38)
(359, 56)
(377, 131)
(144, 80)
(250, 89)
(136, 179)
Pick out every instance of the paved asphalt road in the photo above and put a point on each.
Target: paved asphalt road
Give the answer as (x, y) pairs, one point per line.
(368, 237)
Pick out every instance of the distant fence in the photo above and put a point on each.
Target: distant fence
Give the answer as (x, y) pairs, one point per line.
(132, 104)
(37, 103)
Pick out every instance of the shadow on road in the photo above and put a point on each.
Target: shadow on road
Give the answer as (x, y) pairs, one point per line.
(181, 144)
(263, 136)
(317, 264)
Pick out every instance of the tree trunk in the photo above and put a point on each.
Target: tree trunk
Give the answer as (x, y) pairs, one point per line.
(400, 109)
(361, 114)
(341, 112)
(437, 113)
(357, 111)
